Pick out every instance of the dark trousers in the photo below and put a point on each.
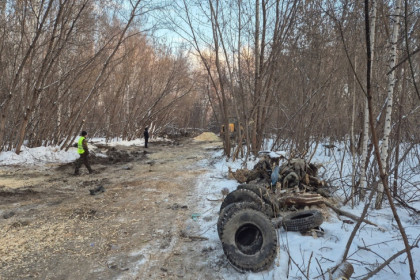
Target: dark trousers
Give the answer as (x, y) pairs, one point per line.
(83, 160)
(145, 142)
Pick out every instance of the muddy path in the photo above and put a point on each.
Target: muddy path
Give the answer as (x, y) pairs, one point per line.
(51, 227)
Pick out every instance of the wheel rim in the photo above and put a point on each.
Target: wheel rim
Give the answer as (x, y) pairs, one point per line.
(248, 239)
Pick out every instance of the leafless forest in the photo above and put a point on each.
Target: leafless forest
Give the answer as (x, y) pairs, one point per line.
(291, 70)
(302, 73)
(295, 71)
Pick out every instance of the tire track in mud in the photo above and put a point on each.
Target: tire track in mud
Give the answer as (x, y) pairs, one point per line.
(180, 254)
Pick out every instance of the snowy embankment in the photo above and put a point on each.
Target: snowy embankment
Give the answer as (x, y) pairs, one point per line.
(37, 156)
(306, 257)
(43, 155)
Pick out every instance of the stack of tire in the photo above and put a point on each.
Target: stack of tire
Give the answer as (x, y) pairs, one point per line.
(247, 232)
(248, 236)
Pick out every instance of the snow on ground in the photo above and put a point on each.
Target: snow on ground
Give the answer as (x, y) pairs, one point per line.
(309, 256)
(37, 156)
(43, 155)
(118, 142)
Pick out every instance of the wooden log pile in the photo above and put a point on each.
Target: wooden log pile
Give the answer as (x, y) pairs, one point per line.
(300, 199)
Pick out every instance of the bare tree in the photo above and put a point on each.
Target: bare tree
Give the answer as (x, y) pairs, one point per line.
(376, 144)
(389, 101)
(366, 111)
(65, 61)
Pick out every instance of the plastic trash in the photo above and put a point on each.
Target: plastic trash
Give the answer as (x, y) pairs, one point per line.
(195, 216)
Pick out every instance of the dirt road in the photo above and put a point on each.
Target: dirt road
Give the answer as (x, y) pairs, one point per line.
(138, 228)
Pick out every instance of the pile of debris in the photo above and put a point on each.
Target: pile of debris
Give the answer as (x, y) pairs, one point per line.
(249, 215)
(106, 154)
(294, 182)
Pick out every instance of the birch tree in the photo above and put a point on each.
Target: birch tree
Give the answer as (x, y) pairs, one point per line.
(389, 101)
(378, 156)
(366, 109)
(376, 146)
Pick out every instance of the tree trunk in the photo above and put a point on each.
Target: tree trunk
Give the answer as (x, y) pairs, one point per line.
(256, 77)
(352, 139)
(390, 90)
(378, 156)
(343, 271)
(366, 110)
(398, 139)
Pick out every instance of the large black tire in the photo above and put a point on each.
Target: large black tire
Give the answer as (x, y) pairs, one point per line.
(249, 240)
(303, 220)
(253, 187)
(263, 193)
(243, 195)
(230, 209)
(228, 212)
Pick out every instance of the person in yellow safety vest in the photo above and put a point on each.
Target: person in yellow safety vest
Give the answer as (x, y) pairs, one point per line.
(82, 149)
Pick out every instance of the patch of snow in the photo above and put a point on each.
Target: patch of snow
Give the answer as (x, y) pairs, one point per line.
(53, 154)
(38, 156)
(308, 255)
(119, 142)
(273, 154)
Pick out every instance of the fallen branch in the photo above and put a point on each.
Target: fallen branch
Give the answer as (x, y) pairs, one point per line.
(387, 262)
(220, 199)
(301, 199)
(351, 216)
(194, 237)
(404, 204)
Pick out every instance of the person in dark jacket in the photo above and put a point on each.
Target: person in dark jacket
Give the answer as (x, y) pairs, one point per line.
(82, 149)
(146, 136)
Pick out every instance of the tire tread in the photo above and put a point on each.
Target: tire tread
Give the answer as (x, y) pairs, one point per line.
(310, 219)
(260, 260)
